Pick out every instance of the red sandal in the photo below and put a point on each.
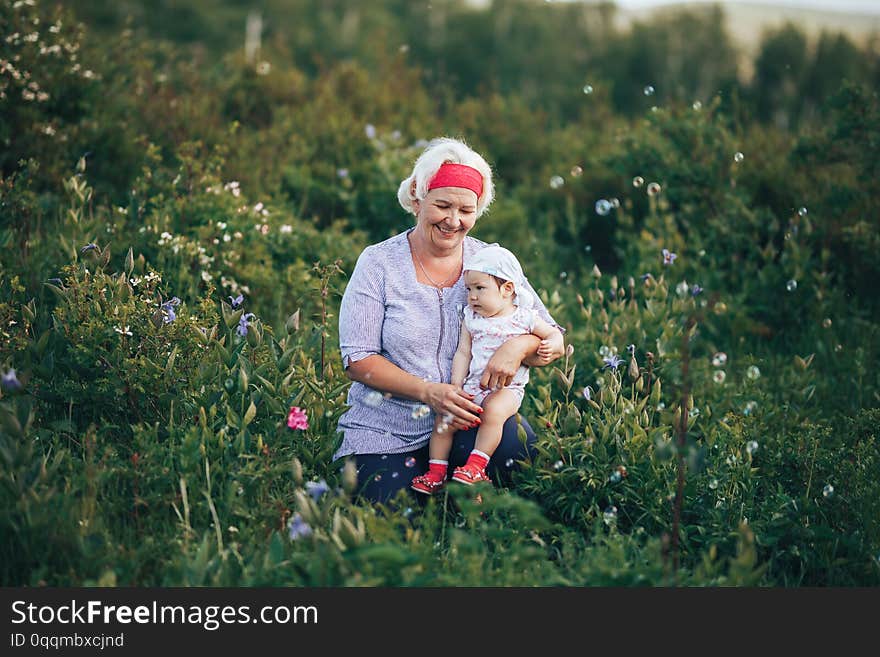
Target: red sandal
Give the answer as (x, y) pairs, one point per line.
(427, 484)
(469, 474)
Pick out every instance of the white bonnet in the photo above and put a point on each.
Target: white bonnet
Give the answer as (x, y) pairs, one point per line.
(498, 261)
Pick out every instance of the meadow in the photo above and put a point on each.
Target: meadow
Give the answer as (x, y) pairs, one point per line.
(178, 219)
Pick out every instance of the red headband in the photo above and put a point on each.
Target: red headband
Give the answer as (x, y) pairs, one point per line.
(458, 175)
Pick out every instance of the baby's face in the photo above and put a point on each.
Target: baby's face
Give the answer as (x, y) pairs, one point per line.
(485, 296)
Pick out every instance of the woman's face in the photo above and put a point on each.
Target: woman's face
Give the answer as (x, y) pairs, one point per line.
(446, 215)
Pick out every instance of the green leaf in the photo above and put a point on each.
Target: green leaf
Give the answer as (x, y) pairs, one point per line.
(249, 414)
(276, 549)
(169, 366)
(266, 384)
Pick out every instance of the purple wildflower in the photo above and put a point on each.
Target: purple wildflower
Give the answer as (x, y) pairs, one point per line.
(695, 290)
(88, 247)
(645, 277)
(613, 361)
(243, 324)
(342, 173)
(237, 301)
(317, 489)
(668, 257)
(587, 392)
(168, 314)
(9, 381)
(299, 528)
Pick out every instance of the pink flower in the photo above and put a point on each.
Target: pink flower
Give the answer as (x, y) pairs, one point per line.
(297, 419)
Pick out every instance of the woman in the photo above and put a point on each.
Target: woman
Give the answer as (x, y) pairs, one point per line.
(399, 325)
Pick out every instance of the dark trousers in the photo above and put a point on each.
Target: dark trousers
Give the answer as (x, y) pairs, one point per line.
(380, 476)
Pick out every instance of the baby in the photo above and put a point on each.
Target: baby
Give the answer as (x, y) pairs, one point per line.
(499, 308)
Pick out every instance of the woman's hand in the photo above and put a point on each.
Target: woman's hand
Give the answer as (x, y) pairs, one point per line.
(504, 363)
(453, 404)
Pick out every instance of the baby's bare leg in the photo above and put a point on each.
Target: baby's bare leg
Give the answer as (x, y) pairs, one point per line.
(441, 439)
(497, 407)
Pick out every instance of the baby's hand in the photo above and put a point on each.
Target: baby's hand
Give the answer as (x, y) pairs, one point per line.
(545, 351)
(551, 348)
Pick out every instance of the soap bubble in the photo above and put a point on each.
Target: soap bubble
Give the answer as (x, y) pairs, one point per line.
(802, 212)
(576, 171)
(653, 189)
(750, 407)
(603, 207)
(753, 372)
(713, 483)
(697, 105)
(791, 285)
(609, 515)
(410, 462)
(752, 446)
(615, 203)
(649, 90)
(719, 376)
(558, 465)
(508, 463)
(719, 359)
(373, 398)
(638, 181)
(826, 323)
(556, 182)
(588, 89)
(738, 157)
(828, 491)
(421, 411)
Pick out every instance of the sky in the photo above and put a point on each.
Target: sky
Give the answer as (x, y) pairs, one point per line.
(854, 6)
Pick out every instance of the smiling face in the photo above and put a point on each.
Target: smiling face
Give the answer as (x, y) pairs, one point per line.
(486, 296)
(445, 216)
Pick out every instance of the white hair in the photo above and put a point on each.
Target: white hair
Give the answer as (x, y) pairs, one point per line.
(440, 151)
